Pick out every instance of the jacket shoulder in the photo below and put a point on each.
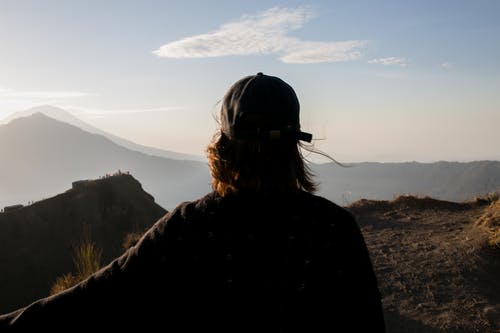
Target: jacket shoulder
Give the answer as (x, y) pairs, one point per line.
(184, 216)
(321, 206)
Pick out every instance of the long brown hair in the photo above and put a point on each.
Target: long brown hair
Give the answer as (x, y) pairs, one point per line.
(257, 166)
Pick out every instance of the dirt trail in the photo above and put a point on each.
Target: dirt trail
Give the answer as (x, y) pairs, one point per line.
(435, 268)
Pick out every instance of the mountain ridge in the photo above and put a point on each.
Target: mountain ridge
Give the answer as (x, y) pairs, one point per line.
(40, 155)
(455, 181)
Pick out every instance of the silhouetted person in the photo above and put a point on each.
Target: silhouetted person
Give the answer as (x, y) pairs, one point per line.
(258, 254)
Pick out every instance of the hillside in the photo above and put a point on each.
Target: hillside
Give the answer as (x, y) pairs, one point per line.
(36, 241)
(436, 266)
(437, 262)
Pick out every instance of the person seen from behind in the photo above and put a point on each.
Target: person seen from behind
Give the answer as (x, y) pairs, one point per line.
(260, 253)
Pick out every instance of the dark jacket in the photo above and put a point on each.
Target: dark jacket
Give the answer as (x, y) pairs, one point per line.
(255, 263)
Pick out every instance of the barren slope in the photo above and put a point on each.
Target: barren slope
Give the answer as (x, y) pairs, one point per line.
(436, 270)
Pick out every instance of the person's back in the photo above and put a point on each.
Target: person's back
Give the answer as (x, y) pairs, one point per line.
(278, 263)
(259, 254)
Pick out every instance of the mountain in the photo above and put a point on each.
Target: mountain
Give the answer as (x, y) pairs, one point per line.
(67, 117)
(383, 181)
(41, 155)
(36, 241)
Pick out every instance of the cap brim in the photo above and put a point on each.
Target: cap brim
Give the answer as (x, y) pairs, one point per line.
(303, 136)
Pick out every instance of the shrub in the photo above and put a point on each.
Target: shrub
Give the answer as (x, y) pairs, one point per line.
(131, 239)
(87, 260)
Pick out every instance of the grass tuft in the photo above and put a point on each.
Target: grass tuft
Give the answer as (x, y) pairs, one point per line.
(87, 260)
(491, 218)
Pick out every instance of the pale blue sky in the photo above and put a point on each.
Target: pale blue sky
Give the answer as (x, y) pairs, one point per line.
(377, 80)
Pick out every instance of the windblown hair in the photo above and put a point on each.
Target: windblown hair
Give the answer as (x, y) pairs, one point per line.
(257, 166)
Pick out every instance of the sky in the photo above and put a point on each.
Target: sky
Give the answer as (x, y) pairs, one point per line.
(385, 81)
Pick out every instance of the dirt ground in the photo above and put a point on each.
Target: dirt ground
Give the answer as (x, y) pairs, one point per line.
(436, 270)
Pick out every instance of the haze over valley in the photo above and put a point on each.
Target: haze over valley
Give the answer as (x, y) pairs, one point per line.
(42, 155)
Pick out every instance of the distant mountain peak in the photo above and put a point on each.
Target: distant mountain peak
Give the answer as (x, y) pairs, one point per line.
(37, 119)
(68, 117)
(46, 110)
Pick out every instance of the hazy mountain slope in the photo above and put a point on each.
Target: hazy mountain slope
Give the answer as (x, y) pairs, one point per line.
(41, 156)
(67, 117)
(36, 241)
(444, 180)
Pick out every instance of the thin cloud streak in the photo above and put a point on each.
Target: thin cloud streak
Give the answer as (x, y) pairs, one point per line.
(262, 34)
(101, 113)
(16, 100)
(390, 61)
(318, 52)
(11, 93)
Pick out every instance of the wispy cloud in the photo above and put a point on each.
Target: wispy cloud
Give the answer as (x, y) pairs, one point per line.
(390, 61)
(101, 113)
(264, 33)
(42, 95)
(447, 65)
(15, 100)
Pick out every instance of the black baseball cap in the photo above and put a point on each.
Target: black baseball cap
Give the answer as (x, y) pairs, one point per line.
(261, 107)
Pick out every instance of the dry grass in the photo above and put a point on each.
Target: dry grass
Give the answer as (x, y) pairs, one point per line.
(64, 282)
(87, 260)
(491, 218)
(131, 239)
